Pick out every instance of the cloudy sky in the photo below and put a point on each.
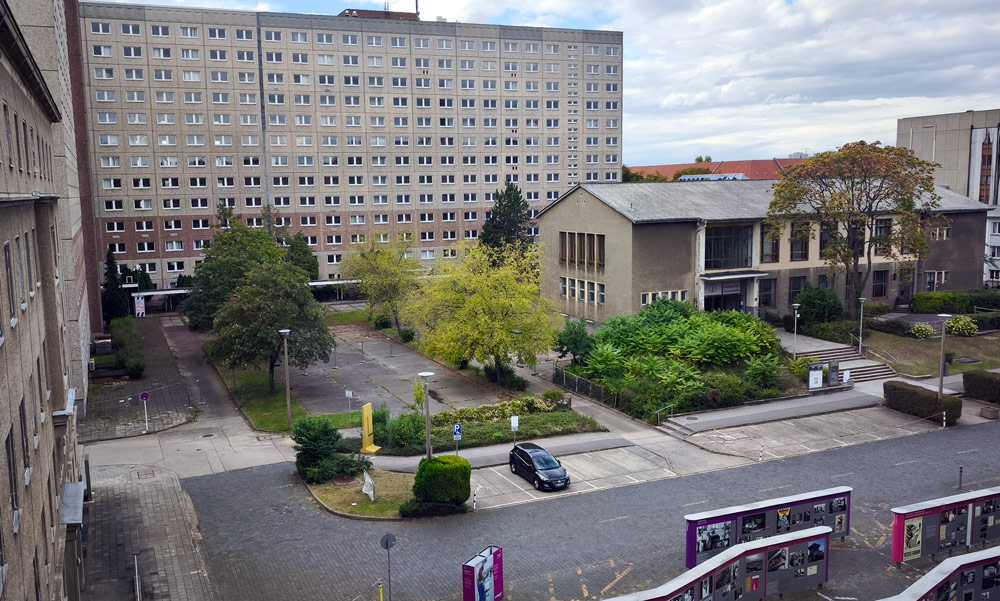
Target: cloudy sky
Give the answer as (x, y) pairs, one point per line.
(740, 79)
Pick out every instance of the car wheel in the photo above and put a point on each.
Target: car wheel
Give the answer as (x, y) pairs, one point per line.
(513, 469)
(538, 484)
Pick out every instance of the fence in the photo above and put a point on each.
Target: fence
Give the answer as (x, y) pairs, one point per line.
(583, 386)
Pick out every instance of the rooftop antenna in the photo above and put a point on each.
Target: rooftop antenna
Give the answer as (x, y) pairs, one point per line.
(417, 8)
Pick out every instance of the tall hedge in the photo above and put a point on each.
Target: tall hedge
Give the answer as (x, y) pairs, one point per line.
(920, 401)
(983, 385)
(443, 479)
(954, 301)
(127, 344)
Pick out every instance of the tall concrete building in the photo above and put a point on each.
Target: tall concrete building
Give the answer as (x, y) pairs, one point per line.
(45, 328)
(348, 126)
(966, 148)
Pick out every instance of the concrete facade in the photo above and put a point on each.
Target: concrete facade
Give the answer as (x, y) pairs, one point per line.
(657, 239)
(955, 141)
(347, 126)
(44, 331)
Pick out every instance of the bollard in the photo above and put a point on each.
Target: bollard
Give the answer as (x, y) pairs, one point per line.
(475, 497)
(959, 477)
(944, 419)
(761, 458)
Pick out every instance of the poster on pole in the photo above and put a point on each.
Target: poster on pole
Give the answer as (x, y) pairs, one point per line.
(140, 306)
(369, 486)
(482, 576)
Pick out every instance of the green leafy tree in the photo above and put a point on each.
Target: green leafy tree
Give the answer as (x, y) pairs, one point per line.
(854, 193)
(114, 299)
(690, 171)
(271, 297)
(300, 255)
(575, 340)
(819, 305)
(631, 176)
(235, 251)
(485, 305)
(315, 441)
(387, 273)
(509, 221)
(703, 159)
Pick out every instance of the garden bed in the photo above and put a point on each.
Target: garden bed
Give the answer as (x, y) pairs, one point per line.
(392, 489)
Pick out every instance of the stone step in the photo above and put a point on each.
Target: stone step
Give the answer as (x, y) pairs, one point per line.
(844, 353)
(873, 372)
(675, 429)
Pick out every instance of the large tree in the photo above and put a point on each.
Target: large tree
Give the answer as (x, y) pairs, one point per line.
(510, 220)
(868, 200)
(387, 272)
(235, 250)
(300, 255)
(114, 299)
(479, 307)
(271, 297)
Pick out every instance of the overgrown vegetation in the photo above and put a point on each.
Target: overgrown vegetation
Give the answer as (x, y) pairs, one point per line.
(127, 345)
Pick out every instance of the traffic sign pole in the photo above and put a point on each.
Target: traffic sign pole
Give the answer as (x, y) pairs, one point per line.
(144, 396)
(456, 433)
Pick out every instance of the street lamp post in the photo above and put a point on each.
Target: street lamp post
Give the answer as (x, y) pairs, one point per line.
(795, 332)
(861, 322)
(944, 329)
(426, 376)
(288, 385)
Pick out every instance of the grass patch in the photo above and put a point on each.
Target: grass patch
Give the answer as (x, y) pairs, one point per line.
(266, 410)
(101, 360)
(332, 317)
(921, 357)
(536, 425)
(392, 489)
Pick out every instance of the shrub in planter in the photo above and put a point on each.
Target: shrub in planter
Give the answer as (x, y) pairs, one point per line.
(769, 393)
(554, 395)
(942, 301)
(800, 367)
(834, 331)
(729, 389)
(983, 385)
(818, 305)
(920, 401)
(380, 426)
(922, 331)
(422, 509)
(324, 471)
(961, 325)
(443, 479)
(984, 299)
(315, 441)
(515, 382)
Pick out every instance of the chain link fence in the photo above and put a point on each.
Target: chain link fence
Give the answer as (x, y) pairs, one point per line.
(583, 386)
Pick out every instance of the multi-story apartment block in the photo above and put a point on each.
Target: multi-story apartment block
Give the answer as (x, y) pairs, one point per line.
(611, 250)
(347, 127)
(44, 327)
(965, 147)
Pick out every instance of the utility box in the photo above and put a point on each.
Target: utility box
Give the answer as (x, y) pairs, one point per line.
(834, 377)
(990, 412)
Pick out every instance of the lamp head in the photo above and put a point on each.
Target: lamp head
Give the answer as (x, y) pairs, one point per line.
(284, 333)
(426, 375)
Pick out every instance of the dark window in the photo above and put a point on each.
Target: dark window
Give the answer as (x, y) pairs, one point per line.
(883, 231)
(590, 250)
(11, 302)
(25, 443)
(799, 242)
(880, 279)
(827, 281)
(600, 251)
(11, 468)
(826, 233)
(794, 287)
(728, 246)
(766, 289)
(571, 250)
(769, 248)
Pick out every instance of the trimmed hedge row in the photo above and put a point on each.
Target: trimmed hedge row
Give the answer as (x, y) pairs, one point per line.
(441, 487)
(954, 301)
(896, 327)
(986, 321)
(920, 401)
(127, 345)
(983, 385)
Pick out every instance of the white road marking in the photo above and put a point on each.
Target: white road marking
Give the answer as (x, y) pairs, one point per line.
(906, 462)
(632, 479)
(969, 451)
(825, 597)
(841, 475)
(514, 484)
(621, 517)
(775, 488)
(846, 598)
(695, 503)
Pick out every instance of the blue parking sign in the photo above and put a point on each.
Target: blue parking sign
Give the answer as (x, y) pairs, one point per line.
(456, 431)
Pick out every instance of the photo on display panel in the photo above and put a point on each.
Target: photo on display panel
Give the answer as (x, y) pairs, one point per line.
(713, 537)
(753, 523)
(777, 559)
(838, 505)
(799, 573)
(687, 595)
(990, 575)
(946, 592)
(817, 550)
(784, 520)
(755, 563)
(801, 517)
(796, 558)
(840, 524)
(968, 577)
(706, 588)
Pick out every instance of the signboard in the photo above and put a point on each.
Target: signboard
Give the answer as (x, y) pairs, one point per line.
(367, 432)
(143, 396)
(140, 306)
(456, 432)
(815, 376)
(348, 394)
(513, 423)
(482, 576)
(712, 532)
(974, 576)
(731, 287)
(369, 487)
(713, 288)
(923, 529)
(751, 571)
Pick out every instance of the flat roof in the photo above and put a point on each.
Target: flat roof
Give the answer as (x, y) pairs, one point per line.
(791, 500)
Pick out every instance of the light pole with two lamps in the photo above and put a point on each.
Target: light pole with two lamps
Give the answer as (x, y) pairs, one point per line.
(944, 329)
(288, 385)
(426, 376)
(795, 332)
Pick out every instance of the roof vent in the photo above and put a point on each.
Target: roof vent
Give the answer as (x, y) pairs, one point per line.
(631, 207)
(354, 13)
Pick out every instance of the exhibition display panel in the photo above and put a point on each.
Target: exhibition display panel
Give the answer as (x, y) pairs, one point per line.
(972, 577)
(963, 520)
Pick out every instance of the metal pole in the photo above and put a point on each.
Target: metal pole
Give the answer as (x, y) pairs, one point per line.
(426, 376)
(288, 384)
(944, 331)
(389, 340)
(795, 332)
(959, 477)
(145, 409)
(861, 325)
(388, 556)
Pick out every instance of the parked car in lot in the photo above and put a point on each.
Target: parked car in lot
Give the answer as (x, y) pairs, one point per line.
(538, 466)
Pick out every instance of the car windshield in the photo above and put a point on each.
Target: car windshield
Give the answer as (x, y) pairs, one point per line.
(545, 462)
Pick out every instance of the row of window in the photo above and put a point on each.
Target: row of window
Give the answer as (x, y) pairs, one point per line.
(580, 249)
(374, 141)
(399, 121)
(27, 150)
(647, 298)
(582, 290)
(347, 39)
(226, 161)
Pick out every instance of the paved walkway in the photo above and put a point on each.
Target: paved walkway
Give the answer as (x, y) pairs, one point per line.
(114, 409)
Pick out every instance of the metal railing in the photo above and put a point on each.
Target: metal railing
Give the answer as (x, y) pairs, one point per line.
(658, 411)
(583, 386)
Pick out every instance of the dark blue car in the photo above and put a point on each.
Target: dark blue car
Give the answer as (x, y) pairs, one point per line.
(538, 466)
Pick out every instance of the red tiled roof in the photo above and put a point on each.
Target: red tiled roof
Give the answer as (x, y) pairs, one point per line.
(753, 169)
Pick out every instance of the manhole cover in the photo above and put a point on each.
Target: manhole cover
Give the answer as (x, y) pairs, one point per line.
(692, 419)
(968, 360)
(145, 474)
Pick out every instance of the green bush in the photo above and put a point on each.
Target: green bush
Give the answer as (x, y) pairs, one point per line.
(443, 479)
(724, 389)
(896, 327)
(127, 345)
(349, 445)
(877, 309)
(421, 509)
(349, 465)
(380, 426)
(982, 385)
(961, 325)
(135, 367)
(942, 301)
(315, 441)
(407, 430)
(922, 331)
(382, 322)
(835, 331)
(984, 299)
(818, 305)
(407, 334)
(763, 372)
(554, 395)
(515, 382)
(987, 321)
(769, 393)
(800, 367)
(324, 471)
(920, 401)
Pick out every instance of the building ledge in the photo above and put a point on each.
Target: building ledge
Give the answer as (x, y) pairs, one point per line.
(60, 419)
(72, 504)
